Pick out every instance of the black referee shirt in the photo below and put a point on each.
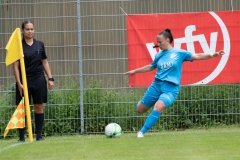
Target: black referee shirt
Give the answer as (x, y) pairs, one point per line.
(33, 56)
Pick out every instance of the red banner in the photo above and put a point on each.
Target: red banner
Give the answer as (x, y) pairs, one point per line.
(204, 32)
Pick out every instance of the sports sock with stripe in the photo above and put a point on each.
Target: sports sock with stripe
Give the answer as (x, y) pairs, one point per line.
(150, 121)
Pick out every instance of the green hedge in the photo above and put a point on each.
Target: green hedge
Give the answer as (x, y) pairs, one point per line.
(196, 106)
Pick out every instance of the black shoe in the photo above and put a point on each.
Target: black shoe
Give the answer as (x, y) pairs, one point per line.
(40, 139)
(21, 140)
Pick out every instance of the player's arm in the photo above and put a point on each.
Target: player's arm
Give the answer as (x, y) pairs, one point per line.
(144, 69)
(48, 72)
(203, 56)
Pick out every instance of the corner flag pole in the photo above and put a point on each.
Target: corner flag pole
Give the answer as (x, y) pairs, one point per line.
(26, 98)
(14, 53)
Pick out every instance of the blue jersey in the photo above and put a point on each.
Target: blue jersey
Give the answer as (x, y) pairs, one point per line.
(169, 64)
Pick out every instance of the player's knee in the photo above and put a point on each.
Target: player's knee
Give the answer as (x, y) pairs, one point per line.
(160, 106)
(141, 108)
(140, 111)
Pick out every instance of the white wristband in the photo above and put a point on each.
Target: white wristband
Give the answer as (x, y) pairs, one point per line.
(211, 54)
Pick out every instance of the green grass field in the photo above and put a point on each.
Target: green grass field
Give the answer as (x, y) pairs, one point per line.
(194, 144)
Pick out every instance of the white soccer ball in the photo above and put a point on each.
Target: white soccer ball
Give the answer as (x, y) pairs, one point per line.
(113, 130)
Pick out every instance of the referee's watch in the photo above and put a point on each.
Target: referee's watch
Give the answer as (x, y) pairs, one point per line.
(51, 79)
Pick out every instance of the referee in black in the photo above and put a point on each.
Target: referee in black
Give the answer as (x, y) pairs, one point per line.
(35, 64)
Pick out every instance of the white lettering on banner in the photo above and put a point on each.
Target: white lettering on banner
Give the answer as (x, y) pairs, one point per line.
(224, 58)
(189, 39)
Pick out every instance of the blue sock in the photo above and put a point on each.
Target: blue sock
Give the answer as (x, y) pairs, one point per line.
(150, 121)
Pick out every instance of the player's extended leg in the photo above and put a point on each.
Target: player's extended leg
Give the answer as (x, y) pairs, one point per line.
(149, 99)
(141, 108)
(39, 120)
(152, 118)
(161, 95)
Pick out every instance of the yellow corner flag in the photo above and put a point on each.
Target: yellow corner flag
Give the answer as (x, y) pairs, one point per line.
(17, 120)
(14, 47)
(14, 53)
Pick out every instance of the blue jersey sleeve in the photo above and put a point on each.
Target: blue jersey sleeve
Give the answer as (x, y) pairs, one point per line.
(186, 55)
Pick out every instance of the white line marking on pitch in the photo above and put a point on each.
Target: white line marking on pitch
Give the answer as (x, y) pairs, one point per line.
(11, 146)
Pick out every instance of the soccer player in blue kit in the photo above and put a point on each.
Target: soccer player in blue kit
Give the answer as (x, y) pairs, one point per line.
(166, 85)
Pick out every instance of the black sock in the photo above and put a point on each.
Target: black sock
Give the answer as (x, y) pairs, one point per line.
(21, 132)
(39, 119)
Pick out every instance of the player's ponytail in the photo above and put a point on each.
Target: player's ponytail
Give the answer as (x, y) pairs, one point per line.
(168, 30)
(167, 34)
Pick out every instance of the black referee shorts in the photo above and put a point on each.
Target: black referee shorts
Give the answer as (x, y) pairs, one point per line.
(37, 90)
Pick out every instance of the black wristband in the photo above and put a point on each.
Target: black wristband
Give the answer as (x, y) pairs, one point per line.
(51, 79)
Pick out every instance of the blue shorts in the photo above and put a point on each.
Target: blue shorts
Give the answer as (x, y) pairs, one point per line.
(166, 92)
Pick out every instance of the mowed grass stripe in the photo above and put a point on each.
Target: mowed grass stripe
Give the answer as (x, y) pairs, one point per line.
(219, 143)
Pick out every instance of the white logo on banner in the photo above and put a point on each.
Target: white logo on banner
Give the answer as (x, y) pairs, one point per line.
(189, 40)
